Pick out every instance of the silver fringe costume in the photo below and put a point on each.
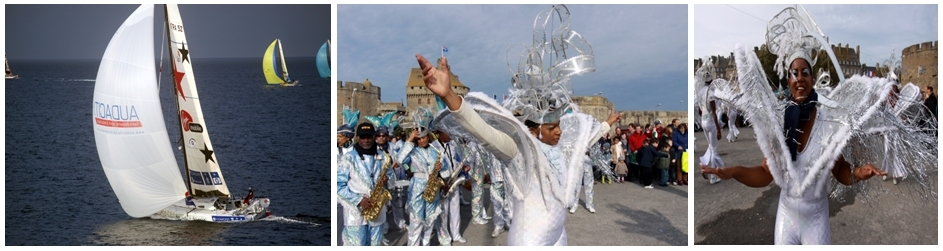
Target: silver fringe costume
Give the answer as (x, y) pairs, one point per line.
(848, 122)
(423, 215)
(541, 179)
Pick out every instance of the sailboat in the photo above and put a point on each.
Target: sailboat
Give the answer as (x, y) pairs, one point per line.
(9, 72)
(273, 74)
(132, 139)
(324, 60)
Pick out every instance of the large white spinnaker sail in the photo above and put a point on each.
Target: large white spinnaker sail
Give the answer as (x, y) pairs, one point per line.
(206, 179)
(130, 135)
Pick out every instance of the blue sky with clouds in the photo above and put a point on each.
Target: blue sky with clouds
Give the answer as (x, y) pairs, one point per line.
(878, 29)
(640, 50)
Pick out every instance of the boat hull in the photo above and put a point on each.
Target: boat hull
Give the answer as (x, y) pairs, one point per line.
(204, 210)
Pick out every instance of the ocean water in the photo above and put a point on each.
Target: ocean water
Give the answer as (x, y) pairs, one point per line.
(271, 138)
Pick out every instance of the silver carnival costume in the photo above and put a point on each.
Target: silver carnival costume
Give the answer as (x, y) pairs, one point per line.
(347, 130)
(423, 215)
(541, 179)
(587, 185)
(848, 123)
(477, 175)
(357, 173)
(452, 162)
(704, 84)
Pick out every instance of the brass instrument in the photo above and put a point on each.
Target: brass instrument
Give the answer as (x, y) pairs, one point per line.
(379, 195)
(434, 183)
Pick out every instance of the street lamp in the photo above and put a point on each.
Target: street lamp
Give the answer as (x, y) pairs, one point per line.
(352, 99)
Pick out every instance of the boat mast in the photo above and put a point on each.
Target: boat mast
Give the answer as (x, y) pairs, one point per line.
(170, 50)
(282, 57)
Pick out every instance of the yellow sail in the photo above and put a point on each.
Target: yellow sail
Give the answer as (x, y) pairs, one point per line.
(270, 67)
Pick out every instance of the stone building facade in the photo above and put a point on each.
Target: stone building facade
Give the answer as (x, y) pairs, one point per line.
(849, 59)
(919, 65)
(599, 107)
(364, 97)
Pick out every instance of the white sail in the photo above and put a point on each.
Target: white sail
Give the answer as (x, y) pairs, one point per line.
(206, 179)
(130, 135)
(281, 56)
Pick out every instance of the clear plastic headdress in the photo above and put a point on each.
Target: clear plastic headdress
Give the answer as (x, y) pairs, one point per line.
(893, 67)
(792, 34)
(384, 123)
(350, 121)
(705, 73)
(422, 117)
(540, 85)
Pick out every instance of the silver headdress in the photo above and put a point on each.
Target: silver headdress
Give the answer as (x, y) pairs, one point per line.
(893, 66)
(422, 118)
(792, 34)
(540, 87)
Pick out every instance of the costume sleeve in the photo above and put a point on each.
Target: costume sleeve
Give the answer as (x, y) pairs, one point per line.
(403, 155)
(495, 141)
(343, 175)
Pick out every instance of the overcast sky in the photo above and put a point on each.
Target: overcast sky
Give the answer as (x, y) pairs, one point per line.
(878, 29)
(641, 50)
(213, 31)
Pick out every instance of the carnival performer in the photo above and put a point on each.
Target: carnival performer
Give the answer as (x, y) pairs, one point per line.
(384, 125)
(499, 202)
(345, 132)
(419, 155)
(357, 174)
(543, 146)
(477, 175)
(452, 156)
(705, 100)
(587, 186)
(825, 135)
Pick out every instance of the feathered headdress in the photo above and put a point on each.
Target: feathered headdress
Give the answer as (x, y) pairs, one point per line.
(540, 87)
(350, 121)
(790, 35)
(422, 117)
(384, 123)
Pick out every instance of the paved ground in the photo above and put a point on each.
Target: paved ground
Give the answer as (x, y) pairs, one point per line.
(626, 215)
(729, 213)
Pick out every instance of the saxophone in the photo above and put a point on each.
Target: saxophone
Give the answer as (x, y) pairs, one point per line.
(434, 183)
(380, 195)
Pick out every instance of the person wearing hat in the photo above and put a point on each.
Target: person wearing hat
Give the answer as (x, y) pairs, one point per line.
(451, 159)
(543, 164)
(814, 137)
(357, 174)
(421, 158)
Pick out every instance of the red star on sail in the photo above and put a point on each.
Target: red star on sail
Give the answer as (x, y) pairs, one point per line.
(178, 76)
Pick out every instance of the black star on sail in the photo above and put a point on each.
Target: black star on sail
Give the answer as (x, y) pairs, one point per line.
(208, 153)
(184, 53)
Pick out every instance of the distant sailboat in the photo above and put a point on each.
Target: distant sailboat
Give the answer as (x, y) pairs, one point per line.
(273, 74)
(9, 73)
(131, 137)
(324, 60)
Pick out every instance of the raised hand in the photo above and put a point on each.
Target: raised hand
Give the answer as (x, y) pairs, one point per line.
(438, 81)
(614, 117)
